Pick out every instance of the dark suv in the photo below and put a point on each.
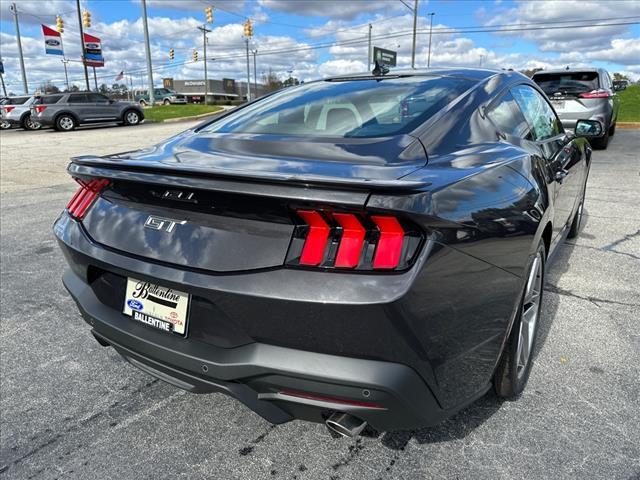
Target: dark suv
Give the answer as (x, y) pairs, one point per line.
(66, 111)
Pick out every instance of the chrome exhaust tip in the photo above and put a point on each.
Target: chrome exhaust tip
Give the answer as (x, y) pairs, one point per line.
(345, 425)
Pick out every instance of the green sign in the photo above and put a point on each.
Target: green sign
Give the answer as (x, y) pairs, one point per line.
(384, 57)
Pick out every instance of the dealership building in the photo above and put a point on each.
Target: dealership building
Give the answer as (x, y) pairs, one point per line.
(225, 89)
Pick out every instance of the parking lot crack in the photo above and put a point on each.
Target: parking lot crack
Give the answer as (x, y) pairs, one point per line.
(588, 298)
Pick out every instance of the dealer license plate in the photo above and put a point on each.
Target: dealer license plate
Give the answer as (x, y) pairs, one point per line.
(160, 307)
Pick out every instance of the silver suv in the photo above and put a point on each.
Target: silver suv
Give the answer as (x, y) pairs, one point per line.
(16, 111)
(65, 111)
(582, 94)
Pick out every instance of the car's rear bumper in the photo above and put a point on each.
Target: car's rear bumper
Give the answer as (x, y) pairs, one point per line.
(401, 397)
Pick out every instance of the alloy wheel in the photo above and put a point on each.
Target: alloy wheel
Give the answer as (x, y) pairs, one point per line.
(66, 123)
(132, 118)
(530, 313)
(31, 125)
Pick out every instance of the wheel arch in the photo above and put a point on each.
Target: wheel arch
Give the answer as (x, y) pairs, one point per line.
(67, 112)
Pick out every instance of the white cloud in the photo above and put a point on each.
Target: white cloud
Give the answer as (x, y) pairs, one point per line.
(338, 9)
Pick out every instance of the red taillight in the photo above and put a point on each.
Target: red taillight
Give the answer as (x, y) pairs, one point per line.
(596, 94)
(8, 109)
(40, 108)
(351, 242)
(316, 242)
(390, 243)
(84, 197)
(340, 240)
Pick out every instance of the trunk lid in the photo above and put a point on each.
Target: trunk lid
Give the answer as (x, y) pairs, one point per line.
(224, 203)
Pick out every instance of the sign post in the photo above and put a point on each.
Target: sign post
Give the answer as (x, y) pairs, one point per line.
(385, 57)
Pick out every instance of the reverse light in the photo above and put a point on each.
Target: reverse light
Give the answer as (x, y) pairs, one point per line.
(84, 197)
(596, 94)
(341, 240)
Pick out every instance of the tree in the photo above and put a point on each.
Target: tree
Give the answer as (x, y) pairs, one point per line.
(530, 71)
(620, 76)
(271, 81)
(104, 89)
(291, 81)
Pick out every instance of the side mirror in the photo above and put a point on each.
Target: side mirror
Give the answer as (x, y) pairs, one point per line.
(588, 128)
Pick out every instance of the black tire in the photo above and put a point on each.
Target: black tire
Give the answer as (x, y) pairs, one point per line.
(602, 142)
(5, 125)
(65, 123)
(612, 130)
(143, 103)
(28, 124)
(577, 220)
(513, 368)
(131, 117)
(167, 101)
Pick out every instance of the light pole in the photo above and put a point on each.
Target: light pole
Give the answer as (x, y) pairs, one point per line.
(480, 64)
(14, 10)
(430, 31)
(84, 63)
(205, 30)
(414, 9)
(66, 76)
(369, 49)
(147, 49)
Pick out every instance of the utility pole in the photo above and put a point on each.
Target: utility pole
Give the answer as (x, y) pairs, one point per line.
(4, 89)
(255, 75)
(14, 10)
(205, 30)
(430, 31)
(369, 49)
(95, 79)
(415, 24)
(86, 73)
(66, 76)
(480, 64)
(147, 49)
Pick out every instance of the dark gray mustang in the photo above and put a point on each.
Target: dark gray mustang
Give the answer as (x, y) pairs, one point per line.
(363, 249)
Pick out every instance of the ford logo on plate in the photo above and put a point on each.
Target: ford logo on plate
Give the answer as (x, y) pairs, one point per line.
(134, 304)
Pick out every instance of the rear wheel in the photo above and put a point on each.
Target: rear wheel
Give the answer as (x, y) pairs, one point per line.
(131, 117)
(5, 125)
(515, 364)
(602, 142)
(167, 101)
(29, 124)
(65, 123)
(143, 103)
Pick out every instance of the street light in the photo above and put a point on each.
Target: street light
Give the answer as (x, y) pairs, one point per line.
(414, 9)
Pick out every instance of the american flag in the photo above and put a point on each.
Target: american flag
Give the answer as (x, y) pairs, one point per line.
(120, 76)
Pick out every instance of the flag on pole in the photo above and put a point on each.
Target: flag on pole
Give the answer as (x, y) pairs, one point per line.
(52, 41)
(120, 76)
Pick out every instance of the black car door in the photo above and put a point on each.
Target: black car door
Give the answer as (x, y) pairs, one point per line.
(564, 163)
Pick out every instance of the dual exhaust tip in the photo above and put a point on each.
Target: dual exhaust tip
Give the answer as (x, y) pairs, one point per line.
(345, 425)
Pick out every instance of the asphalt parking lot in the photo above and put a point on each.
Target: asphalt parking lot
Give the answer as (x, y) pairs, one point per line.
(72, 409)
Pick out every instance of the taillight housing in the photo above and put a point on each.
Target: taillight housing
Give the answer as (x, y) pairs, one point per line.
(596, 94)
(40, 108)
(8, 108)
(85, 196)
(337, 240)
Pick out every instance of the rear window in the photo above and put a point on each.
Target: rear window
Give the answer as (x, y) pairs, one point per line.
(350, 108)
(47, 99)
(569, 82)
(16, 100)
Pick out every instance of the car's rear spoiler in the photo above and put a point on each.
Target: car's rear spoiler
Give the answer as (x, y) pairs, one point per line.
(302, 187)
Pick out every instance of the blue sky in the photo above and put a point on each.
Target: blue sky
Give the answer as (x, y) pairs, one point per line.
(315, 38)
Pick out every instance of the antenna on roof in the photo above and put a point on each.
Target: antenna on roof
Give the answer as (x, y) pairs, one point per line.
(379, 70)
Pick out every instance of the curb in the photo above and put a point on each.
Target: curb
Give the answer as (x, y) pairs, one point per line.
(629, 125)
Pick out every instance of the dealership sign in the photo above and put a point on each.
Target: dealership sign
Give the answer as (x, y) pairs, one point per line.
(93, 51)
(52, 41)
(384, 57)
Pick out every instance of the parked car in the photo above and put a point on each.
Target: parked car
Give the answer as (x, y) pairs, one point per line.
(16, 111)
(583, 93)
(65, 111)
(362, 249)
(162, 95)
(4, 125)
